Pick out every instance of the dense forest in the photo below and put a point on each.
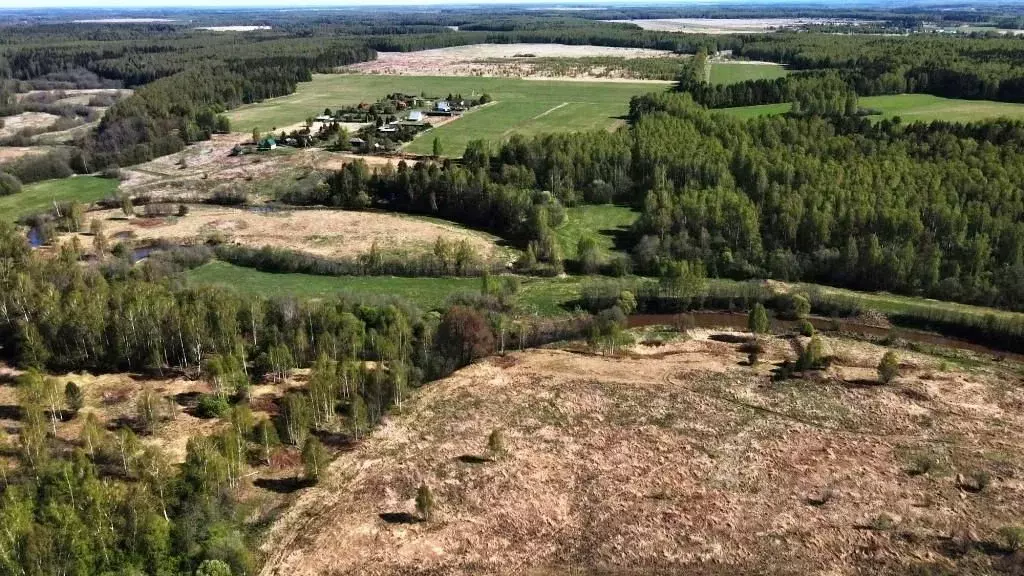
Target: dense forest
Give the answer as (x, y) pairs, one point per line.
(928, 209)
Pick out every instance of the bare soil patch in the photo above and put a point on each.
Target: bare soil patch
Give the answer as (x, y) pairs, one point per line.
(498, 60)
(331, 233)
(671, 459)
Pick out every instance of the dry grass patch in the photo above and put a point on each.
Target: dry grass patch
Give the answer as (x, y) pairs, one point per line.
(665, 463)
(332, 233)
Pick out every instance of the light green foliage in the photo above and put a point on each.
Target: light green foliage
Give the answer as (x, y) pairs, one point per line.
(314, 458)
(812, 357)
(73, 396)
(213, 568)
(40, 197)
(888, 367)
(733, 72)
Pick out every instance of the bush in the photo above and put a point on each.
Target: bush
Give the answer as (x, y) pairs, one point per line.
(212, 406)
(425, 502)
(9, 184)
(812, 357)
(888, 367)
(496, 443)
(73, 396)
(1013, 537)
(757, 320)
(39, 167)
(805, 328)
(797, 306)
(463, 336)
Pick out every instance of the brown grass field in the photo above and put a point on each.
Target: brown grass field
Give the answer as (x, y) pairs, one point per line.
(676, 459)
(322, 232)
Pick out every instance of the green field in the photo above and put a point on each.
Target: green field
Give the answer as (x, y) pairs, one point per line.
(733, 72)
(911, 108)
(542, 296)
(601, 222)
(524, 106)
(40, 196)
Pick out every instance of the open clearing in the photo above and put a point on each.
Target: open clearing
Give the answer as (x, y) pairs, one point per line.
(910, 108)
(675, 459)
(331, 233)
(502, 60)
(517, 103)
(731, 72)
(26, 120)
(602, 223)
(41, 196)
(730, 25)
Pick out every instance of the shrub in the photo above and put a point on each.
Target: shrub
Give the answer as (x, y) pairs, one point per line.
(888, 367)
(882, 522)
(314, 457)
(9, 184)
(496, 443)
(812, 357)
(1013, 537)
(212, 406)
(73, 396)
(424, 502)
(797, 306)
(974, 481)
(757, 320)
(921, 464)
(806, 328)
(213, 568)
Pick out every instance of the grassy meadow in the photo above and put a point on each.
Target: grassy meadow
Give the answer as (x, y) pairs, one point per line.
(602, 222)
(525, 106)
(733, 72)
(40, 196)
(910, 108)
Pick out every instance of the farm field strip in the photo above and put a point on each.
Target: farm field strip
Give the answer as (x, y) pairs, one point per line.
(910, 108)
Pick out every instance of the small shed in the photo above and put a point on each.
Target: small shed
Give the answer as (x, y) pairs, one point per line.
(357, 142)
(415, 116)
(388, 128)
(324, 118)
(443, 106)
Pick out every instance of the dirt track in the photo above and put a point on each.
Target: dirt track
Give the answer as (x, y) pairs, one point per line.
(676, 459)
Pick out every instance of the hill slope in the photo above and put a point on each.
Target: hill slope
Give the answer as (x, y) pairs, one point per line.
(673, 459)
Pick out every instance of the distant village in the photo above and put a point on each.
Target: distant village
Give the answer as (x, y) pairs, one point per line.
(378, 128)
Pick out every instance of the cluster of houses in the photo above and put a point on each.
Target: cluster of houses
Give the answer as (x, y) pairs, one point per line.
(389, 122)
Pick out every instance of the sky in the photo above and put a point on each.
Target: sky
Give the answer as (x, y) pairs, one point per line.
(133, 4)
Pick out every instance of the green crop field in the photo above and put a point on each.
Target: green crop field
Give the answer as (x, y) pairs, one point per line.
(733, 72)
(40, 196)
(524, 106)
(910, 107)
(601, 222)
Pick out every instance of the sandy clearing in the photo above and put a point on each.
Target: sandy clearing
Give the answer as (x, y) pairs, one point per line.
(78, 92)
(664, 462)
(467, 60)
(33, 120)
(332, 233)
(729, 25)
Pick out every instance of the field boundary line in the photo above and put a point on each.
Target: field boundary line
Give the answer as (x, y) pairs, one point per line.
(549, 111)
